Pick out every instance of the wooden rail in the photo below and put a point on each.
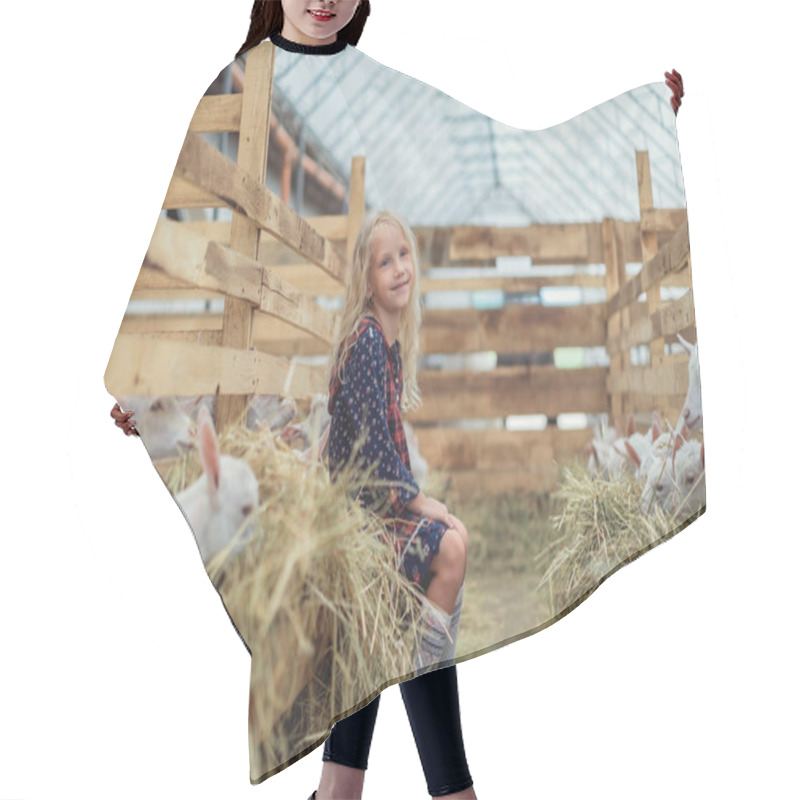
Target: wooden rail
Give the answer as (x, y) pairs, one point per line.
(270, 265)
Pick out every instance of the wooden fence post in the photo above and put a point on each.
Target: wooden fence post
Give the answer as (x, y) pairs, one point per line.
(356, 203)
(649, 250)
(613, 249)
(237, 322)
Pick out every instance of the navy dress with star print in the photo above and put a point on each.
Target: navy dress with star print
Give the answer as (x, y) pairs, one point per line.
(369, 398)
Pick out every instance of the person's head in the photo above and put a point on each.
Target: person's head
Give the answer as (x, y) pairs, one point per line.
(384, 257)
(307, 21)
(384, 268)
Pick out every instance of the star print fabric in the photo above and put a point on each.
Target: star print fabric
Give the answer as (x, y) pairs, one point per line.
(368, 398)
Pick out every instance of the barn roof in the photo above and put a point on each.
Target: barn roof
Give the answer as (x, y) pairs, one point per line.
(439, 162)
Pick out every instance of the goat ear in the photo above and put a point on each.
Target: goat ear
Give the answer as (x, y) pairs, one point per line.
(320, 446)
(656, 425)
(631, 425)
(189, 404)
(632, 454)
(209, 450)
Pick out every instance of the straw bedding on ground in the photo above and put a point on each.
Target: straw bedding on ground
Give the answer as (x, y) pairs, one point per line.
(534, 557)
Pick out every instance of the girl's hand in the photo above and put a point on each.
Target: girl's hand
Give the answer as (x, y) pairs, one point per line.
(454, 522)
(428, 507)
(675, 82)
(124, 420)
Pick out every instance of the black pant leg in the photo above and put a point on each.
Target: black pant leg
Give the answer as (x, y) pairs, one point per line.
(433, 710)
(351, 738)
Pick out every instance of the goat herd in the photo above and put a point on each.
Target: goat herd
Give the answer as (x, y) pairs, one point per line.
(223, 499)
(668, 463)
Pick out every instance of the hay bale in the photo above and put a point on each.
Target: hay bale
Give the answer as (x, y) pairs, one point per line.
(600, 528)
(316, 593)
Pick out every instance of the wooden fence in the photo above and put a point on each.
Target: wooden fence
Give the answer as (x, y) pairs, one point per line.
(270, 264)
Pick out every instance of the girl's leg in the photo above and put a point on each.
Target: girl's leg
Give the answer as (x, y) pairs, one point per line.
(441, 607)
(433, 710)
(346, 753)
(450, 567)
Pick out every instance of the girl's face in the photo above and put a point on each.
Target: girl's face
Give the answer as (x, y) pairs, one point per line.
(315, 22)
(391, 269)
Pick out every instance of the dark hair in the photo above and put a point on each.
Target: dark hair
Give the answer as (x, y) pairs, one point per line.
(266, 18)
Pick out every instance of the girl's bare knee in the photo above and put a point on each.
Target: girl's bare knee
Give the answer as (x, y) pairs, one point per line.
(464, 539)
(455, 551)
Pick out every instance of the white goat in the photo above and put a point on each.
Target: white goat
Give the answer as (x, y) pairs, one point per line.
(643, 448)
(163, 423)
(311, 430)
(675, 478)
(688, 466)
(218, 504)
(610, 458)
(692, 411)
(658, 485)
(269, 410)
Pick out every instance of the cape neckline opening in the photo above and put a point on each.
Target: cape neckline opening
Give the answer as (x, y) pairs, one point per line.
(309, 49)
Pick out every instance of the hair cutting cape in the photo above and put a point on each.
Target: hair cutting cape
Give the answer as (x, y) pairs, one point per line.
(560, 417)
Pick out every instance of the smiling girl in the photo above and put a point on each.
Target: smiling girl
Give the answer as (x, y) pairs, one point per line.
(379, 333)
(378, 343)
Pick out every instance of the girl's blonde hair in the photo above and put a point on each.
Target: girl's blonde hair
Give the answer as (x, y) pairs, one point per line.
(356, 306)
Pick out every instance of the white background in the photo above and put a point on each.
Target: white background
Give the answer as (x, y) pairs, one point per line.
(120, 674)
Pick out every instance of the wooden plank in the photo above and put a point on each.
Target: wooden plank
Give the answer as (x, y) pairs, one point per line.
(498, 448)
(309, 278)
(574, 243)
(672, 318)
(251, 168)
(182, 193)
(190, 258)
(510, 329)
(280, 299)
(201, 163)
(356, 205)
(644, 404)
(331, 227)
(211, 337)
(670, 258)
(668, 220)
(170, 323)
(217, 113)
(515, 328)
(457, 394)
(670, 379)
(153, 284)
(631, 233)
(214, 230)
(430, 283)
(151, 366)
